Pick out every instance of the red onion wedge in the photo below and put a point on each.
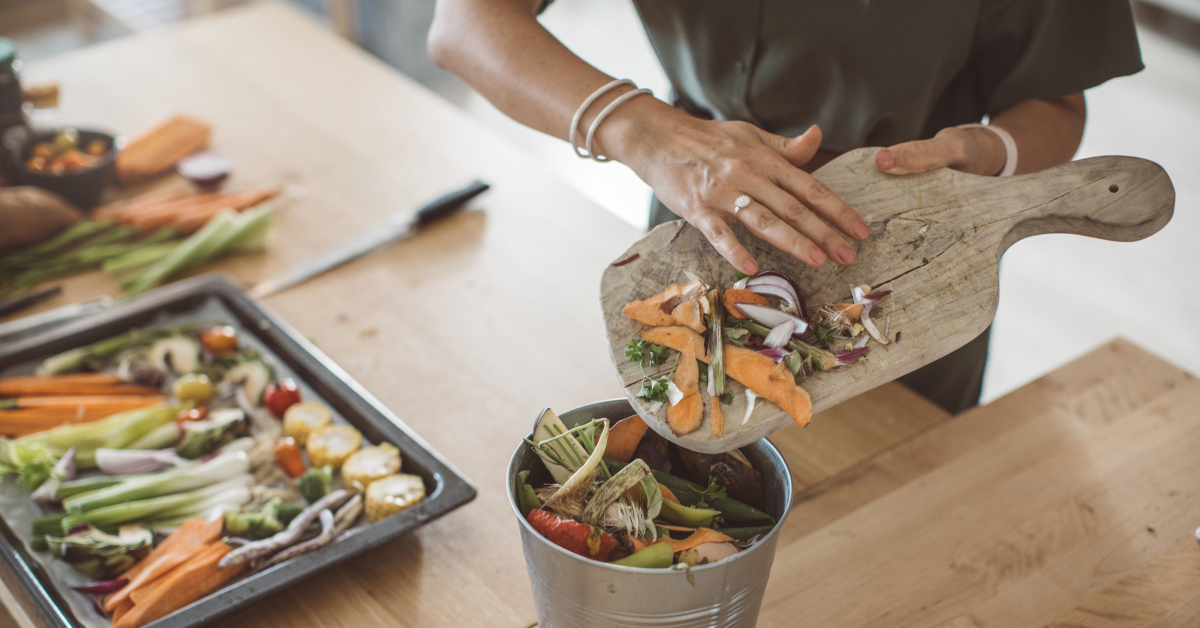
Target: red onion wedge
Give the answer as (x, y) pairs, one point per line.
(845, 358)
(775, 283)
(772, 317)
(774, 354)
(102, 587)
(780, 335)
(870, 326)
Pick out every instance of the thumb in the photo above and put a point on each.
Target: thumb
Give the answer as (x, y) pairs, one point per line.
(797, 150)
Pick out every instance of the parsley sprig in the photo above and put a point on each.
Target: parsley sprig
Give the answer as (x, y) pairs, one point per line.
(649, 354)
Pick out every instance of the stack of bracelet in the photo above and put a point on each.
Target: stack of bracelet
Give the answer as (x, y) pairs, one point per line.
(587, 151)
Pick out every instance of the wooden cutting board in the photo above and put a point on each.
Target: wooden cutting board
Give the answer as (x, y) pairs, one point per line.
(936, 241)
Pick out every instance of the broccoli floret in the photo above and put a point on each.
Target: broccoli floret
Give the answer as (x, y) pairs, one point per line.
(269, 521)
(314, 484)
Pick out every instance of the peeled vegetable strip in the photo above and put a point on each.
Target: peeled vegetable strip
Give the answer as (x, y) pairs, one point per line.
(188, 540)
(749, 368)
(75, 401)
(698, 538)
(18, 423)
(182, 586)
(75, 384)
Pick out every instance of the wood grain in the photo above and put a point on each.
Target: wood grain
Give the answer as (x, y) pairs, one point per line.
(936, 241)
(1025, 512)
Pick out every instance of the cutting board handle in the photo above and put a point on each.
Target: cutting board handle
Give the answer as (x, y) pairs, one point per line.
(1113, 198)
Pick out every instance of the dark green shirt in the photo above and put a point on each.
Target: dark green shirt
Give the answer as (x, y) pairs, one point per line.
(879, 72)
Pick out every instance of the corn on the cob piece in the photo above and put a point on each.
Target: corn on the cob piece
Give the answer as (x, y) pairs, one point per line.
(332, 444)
(389, 495)
(369, 464)
(304, 418)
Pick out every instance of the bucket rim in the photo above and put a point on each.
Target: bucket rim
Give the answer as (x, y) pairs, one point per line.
(510, 474)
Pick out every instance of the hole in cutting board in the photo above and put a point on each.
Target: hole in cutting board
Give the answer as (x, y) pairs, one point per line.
(1113, 188)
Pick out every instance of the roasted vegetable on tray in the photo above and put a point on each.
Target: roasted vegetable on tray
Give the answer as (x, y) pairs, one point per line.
(180, 431)
(623, 494)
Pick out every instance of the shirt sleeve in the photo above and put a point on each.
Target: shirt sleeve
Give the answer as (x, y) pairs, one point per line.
(1041, 49)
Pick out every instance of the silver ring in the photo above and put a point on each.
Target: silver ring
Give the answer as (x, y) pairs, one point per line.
(740, 203)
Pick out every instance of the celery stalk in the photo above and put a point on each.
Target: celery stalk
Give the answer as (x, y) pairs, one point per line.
(196, 247)
(219, 469)
(167, 505)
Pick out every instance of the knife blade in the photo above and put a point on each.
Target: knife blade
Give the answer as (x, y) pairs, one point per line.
(399, 226)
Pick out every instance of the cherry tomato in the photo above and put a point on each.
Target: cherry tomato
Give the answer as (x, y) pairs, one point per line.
(220, 340)
(192, 414)
(287, 456)
(280, 396)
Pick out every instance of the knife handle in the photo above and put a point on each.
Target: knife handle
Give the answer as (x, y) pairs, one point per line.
(444, 206)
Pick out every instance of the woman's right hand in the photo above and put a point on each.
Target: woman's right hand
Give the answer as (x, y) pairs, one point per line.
(698, 168)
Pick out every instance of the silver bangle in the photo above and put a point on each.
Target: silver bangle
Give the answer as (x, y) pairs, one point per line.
(584, 107)
(604, 114)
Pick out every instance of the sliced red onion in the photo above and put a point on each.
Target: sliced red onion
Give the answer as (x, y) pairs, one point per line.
(780, 335)
(856, 293)
(887, 326)
(627, 260)
(844, 358)
(875, 296)
(862, 341)
(102, 587)
(205, 170)
(897, 336)
(772, 317)
(740, 284)
(777, 284)
(870, 326)
(135, 461)
(774, 354)
(98, 605)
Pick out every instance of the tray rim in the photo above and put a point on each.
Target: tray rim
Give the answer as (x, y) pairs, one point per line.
(453, 490)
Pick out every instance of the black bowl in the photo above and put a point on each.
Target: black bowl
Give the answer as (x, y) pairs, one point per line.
(83, 188)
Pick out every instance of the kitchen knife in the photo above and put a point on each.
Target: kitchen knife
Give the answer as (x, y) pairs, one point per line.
(397, 227)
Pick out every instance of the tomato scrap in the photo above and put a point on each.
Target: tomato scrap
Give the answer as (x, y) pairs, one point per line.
(280, 396)
(573, 536)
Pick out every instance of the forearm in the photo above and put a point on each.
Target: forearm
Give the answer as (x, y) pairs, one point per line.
(500, 49)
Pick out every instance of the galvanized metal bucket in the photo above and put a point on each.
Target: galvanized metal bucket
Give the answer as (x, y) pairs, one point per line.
(571, 591)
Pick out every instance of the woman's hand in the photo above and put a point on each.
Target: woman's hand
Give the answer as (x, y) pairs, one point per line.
(698, 168)
(977, 151)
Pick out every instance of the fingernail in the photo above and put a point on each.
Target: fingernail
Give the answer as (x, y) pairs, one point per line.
(818, 257)
(750, 267)
(861, 230)
(885, 160)
(846, 254)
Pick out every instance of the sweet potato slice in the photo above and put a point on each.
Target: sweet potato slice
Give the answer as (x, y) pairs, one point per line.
(749, 368)
(685, 417)
(718, 417)
(735, 296)
(676, 337)
(688, 314)
(658, 309)
(623, 438)
(754, 371)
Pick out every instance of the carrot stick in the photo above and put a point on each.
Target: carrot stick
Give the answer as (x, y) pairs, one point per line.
(19, 423)
(80, 384)
(192, 536)
(185, 584)
(116, 209)
(124, 607)
(191, 219)
(162, 215)
(74, 401)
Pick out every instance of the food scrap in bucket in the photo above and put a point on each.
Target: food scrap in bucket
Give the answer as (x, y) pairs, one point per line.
(757, 332)
(622, 494)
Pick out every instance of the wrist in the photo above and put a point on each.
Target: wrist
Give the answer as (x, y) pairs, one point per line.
(989, 155)
(627, 134)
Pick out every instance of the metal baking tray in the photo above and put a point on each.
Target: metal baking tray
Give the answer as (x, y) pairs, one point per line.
(318, 377)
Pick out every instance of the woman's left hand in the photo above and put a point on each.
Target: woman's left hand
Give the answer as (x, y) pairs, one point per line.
(977, 151)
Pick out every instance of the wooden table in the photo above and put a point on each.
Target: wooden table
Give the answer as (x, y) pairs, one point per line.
(469, 330)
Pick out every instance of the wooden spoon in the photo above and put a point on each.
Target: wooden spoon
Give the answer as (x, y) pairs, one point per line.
(936, 241)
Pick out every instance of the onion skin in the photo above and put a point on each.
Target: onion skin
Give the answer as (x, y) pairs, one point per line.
(772, 317)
